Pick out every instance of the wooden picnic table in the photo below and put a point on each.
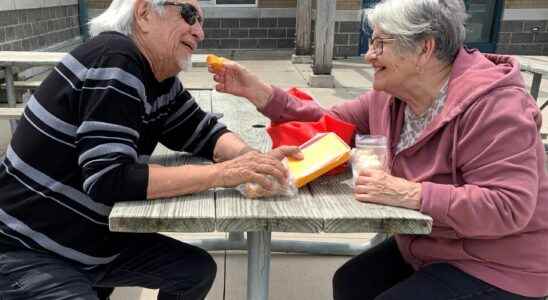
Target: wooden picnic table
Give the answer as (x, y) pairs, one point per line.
(538, 66)
(326, 205)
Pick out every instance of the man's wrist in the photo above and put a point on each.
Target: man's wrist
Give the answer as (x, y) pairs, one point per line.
(247, 149)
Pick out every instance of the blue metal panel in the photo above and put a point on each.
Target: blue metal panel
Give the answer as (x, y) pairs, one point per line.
(366, 31)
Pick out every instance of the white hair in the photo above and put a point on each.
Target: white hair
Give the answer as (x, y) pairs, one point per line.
(119, 17)
(412, 21)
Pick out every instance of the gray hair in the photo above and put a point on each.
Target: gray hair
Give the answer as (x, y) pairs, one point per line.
(119, 17)
(412, 21)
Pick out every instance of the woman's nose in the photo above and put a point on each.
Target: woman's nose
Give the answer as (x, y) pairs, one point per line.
(369, 55)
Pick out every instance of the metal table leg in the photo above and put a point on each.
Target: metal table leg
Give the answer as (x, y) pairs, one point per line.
(258, 264)
(10, 92)
(535, 86)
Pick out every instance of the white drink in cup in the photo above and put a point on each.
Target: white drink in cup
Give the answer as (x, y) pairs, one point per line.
(370, 153)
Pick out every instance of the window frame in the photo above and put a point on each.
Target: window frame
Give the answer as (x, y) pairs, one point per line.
(213, 3)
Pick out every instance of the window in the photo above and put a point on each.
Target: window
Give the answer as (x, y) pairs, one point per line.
(236, 3)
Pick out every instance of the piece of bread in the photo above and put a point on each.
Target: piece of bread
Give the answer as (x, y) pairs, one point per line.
(215, 62)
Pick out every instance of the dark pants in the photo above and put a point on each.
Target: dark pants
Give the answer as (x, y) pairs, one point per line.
(153, 261)
(382, 274)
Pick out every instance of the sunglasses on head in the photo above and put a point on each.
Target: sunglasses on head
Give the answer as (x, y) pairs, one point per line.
(188, 12)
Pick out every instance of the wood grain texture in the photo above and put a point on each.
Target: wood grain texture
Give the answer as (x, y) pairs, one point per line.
(343, 214)
(304, 27)
(327, 205)
(11, 113)
(324, 36)
(11, 58)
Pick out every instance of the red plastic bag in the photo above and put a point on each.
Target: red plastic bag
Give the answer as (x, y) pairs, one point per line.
(295, 133)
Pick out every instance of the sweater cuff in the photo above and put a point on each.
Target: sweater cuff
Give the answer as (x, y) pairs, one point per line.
(276, 105)
(136, 185)
(436, 199)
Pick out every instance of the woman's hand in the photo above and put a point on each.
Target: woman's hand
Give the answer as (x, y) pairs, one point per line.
(379, 187)
(233, 78)
(286, 151)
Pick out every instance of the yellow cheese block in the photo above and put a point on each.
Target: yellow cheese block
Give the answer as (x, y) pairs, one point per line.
(321, 154)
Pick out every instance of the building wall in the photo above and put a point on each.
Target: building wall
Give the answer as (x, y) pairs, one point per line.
(271, 25)
(36, 25)
(524, 28)
(526, 4)
(341, 4)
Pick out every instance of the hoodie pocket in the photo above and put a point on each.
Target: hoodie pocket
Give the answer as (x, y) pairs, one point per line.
(431, 249)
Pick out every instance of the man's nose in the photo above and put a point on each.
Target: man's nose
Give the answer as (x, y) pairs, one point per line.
(198, 32)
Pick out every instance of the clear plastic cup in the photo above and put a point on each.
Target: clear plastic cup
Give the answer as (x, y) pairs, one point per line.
(370, 153)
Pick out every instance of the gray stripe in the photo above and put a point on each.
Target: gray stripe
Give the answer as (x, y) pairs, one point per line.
(80, 71)
(56, 186)
(44, 241)
(75, 66)
(105, 149)
(49, 119)
(45, 133)
(112, 88)
(55, 199)
(180, 111)
(216, 128)
(93, 178)
(90, 126)
(119, 75)
(198, 130)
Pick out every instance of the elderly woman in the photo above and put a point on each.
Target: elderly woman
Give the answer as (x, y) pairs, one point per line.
(464, 149)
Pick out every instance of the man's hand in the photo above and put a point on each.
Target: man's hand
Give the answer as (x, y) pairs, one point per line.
(382, 188)
(233, 78)
(250, 167)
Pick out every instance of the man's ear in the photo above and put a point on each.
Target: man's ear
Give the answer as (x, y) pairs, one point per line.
(142, 14)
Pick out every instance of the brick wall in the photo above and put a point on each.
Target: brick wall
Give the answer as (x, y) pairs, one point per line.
(341, 4)
(249, 33)
(31, 29)
(526, 4)
(523, 37)
(272, 33)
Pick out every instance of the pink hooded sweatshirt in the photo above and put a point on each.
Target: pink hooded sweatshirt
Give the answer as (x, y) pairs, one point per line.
(481, 165)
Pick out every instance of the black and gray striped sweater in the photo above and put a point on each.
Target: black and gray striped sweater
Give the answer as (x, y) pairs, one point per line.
(83, 143)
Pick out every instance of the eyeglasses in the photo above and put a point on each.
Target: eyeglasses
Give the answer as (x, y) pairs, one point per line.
(188, 12)
(376, 45)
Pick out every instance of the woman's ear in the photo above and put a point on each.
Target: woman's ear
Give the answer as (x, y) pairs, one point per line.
(142, 15)
(426, 52)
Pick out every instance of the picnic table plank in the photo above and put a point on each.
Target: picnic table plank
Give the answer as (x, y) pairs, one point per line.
(266, 214)
(34, 58)
(11, 113)
(533, 64)
(189, 213)
(344, 214)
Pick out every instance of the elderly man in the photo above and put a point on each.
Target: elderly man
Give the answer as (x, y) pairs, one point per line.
(83, 143)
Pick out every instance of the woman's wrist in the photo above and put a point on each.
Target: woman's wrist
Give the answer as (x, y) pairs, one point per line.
(262, 96)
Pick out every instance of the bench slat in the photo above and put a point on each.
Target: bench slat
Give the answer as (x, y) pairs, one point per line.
(11, 113)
